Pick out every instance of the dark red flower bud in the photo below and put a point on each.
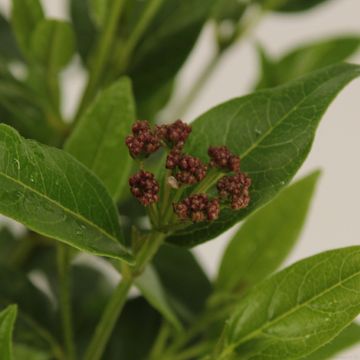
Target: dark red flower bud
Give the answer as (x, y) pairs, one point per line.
(197, 208)
(144, 187)
(235, 188)
(186, 169)
(174, 134)
(222, 157)
(144, 141)
(173, 159)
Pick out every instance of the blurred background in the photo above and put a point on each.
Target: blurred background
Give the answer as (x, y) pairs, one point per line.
(334, 218)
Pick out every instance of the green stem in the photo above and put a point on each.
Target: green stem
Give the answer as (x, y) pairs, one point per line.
(108, 320)
(185, 103)
(125, 52)
(113, 309)
(193, 352)
(243, 29)
(101, 55)
(63, 260)
(160, 342)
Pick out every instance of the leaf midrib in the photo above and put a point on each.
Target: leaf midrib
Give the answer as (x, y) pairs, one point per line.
(293, 310)
(67, 210)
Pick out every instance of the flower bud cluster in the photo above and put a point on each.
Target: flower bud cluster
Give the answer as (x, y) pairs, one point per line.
(144, 187)
(236, 189)
(175, 134)
(197, 208)
(222, 158)
(187, 169)
(143, 141)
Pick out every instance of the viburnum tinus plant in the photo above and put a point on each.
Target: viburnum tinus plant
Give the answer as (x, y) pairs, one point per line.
(108, 191)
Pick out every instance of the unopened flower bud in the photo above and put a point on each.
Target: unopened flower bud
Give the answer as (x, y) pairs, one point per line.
(143, 142)
(222, 158)
(144, 187)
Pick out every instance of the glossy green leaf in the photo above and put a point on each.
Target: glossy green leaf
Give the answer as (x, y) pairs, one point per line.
(53, 44)
(7, 321)
(155, 63)
(183, 279)
(98, 141)
(8, 47)
(50, 192)
(85, 29)
(298, 310)
(150, 286)
(346, 339)
(290, 5)
(266, 238)
(25, 15)
(272, 131)
(304, 59)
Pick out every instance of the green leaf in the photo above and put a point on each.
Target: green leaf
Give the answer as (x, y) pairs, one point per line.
(266, 238)
(8, 46)
(299, 5)
(346, 339)
(53, 44)
(298, 310)
(176, 25)
(85, 30)
(98, 141)
(7, 321)
(50, 192)
(290, 5)
(272, 131)
(306, 58)
(98, 11)
(25, 16)
(150, 286)
(23, 110)
(183, 279)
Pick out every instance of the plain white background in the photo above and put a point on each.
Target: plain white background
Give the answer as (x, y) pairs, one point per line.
(334, 218)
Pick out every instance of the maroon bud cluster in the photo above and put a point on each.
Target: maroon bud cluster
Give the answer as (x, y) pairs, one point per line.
(144, 187)
(197, 208)
(235, 188)
(186, 169)
(144, 141)
(221, 157)
(175, 134)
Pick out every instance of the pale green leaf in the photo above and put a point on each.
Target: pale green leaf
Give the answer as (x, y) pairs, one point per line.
(266, 238)
(25, 15)
(305, 58)
(53, 44)
(98, 140)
